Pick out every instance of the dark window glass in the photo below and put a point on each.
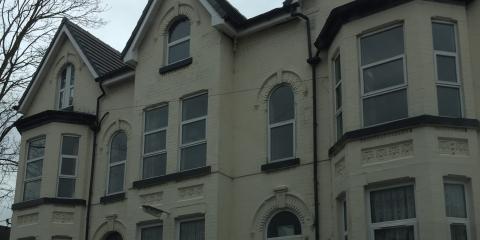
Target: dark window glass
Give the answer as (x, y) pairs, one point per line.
(284, 224)
(179, 51)
(193, 157)
(444, 37)
(70, 145)
(392, 204)
(155, 142)
(383, 76)
(118, 150)
(395, 233)
(152, 233)
(180, 29)
(66, 187)
(195, 107)
(384, 108)
(447, 69)
(338, 70)
(156, 119)
(32, 190)
(192, 132)
(154, 166)
(383, 45)
(36, 148)
(281, 142)
(281, 105)
(458, 232)
(455, 201)
(338, 96)
(339, 125)
(449, 102)
(116, 178)
(68, 166)
(192, 230)
(34, 169)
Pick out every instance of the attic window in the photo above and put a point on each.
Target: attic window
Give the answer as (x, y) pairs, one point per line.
(66, 87)
(178, 47)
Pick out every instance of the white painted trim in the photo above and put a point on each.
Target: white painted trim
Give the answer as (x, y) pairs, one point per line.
(60, 175)
(144, 134)
(111, 81)
(79, 50)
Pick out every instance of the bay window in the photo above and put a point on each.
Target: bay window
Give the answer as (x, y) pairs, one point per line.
(155, 139)
(193, 149)
(68, 167)
(192, 229)
(34, 169)
(457, 210)
(152, 232)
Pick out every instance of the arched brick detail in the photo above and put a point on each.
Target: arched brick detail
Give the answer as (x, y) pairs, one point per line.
(173, 13)
(109, 226)
(112, 128)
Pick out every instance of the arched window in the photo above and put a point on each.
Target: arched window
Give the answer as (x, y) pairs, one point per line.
(178, 46)
(66, 87)
(118, 158)
(281, 119)
(284, 224)
(114, 236)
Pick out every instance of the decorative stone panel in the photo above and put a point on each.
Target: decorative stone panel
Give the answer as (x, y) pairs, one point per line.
(152, 198)
(340, 167)
(387, 152)
(28, 219)
(190, 192)
(63, 217)
(453, 146)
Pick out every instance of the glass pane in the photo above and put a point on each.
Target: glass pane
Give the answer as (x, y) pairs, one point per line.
(345, 221)
(179, 30)
(60, 100)
(179, 51)
(382, 45)
(66, 187)
(193, 157)
(338, 70)
(284, 224)
(34, 169)
(193, 230)
(68, 166)
(281, 142)
(281, 105)
(392, 204)
(70, 145)
(395, 233)
(449, 102)
(339, 125)
(72, 75)
(32, 190)
(383, 76)
(118, 149)
(154, 166)
(116, 178)
(384, 108)
(36, 148)
(458, 232)
(455, 201)
(338, 96)
(193, 131)
(195, 107)
(63, 78)
(152, 233)
(70, 98)
(155, 142)
(447, 68)
(444, 37)
(156, 119)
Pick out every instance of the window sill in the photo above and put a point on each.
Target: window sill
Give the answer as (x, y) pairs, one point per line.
(112, 198)
(280, 165)
(48, 201)
(176, 66)
(179, 176)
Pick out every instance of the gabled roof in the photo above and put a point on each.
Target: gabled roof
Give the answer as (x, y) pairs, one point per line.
(101, 59)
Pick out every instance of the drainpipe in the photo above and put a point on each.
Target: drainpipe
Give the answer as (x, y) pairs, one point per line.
(95, 129)
(313, 61)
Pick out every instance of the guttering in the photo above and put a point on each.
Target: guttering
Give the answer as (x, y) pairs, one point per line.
(313, 61)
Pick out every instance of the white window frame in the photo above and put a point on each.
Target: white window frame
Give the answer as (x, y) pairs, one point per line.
(110, 165)
(391, 224)
(384, 91)
(68, 89)
(25, 180)
(150, 225)
(177, 42)
(294, 237)
(343, 218)
(281, 124)
(60, 175)
(180, 221)
(457, 85)
(186, 122)
(337, 85)
(145, 134)
(466, 221)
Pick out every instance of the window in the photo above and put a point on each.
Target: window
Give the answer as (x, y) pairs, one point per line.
(384, 84)
(393, 214)
(118, 158)
(114, 236)
(68, 167)
(457, 210)
(66, 87)
(283, 224)
(343, 219)
(34, 168)
(447, 70)
(337, 73)
(155, 139)
(178, 47)
(192, 229)
(281, 120)
(154, 232)
(193, 132)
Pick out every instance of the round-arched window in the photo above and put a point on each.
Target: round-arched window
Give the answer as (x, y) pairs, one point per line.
(66, 87)
(118, 159)
(284, 224)
(281, 124)
(178, 45)
(114, 236)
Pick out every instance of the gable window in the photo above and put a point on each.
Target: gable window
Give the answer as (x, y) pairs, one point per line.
(192, 229)
(152, 232)
(281, 124)
(284, 225)
(193, 153)
(68, 167)
(118, 159)
(155, 138)
(384, 84)
(392, 213)
(337, 72)
(447, 69)
(178, 46)
(34, 168)
(457, 210)
(66, 87)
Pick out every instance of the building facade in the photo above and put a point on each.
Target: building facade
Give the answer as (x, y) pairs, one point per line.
(317, 120)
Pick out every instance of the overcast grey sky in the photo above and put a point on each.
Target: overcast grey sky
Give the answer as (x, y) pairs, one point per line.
(122, 15)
